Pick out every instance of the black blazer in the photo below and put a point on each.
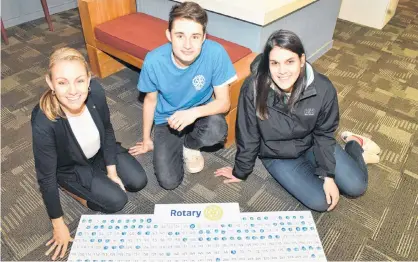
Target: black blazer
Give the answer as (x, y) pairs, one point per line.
(56, 149)
(287, 135)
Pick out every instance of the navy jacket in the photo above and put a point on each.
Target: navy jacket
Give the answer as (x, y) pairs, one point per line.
(288, 135)
(56, 149)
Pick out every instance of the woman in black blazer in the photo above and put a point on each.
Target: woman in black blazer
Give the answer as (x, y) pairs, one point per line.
(74, 146)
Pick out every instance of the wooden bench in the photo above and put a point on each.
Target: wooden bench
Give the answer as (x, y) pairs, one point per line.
(113, 29)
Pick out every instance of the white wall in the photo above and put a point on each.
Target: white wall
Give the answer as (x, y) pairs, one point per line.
(14, 12)
(314, 24)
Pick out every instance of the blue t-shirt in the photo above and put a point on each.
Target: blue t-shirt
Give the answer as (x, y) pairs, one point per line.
(184, 88)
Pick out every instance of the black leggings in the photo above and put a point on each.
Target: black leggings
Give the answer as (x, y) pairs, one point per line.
(102, 194)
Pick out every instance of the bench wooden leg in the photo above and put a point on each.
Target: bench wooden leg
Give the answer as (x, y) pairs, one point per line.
(101, 63)
(47, 16)
(4, 33)
(230, 118)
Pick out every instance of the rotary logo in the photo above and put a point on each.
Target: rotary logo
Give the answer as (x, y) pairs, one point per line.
(199, 82)
(213, 212)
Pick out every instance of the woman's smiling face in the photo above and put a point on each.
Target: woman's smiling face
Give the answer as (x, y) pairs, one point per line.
(285, 67)
(70, 81)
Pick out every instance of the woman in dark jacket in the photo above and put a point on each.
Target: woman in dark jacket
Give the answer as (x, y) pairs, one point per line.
(287, 116)
(74, 146)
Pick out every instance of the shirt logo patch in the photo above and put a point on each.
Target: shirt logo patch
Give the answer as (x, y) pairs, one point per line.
(199, 82)
(309, 112)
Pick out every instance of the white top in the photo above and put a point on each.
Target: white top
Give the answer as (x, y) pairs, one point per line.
(86, 132)
(260, 12)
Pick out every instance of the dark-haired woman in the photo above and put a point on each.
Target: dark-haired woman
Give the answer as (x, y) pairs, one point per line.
(287, 116)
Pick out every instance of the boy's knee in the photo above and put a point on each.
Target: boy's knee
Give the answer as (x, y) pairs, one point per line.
(169, 179)
(216, 131)
(169, 184)
(169, 171)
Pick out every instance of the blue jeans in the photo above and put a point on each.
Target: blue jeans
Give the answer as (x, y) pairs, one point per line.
(168, 146)
(298, 176)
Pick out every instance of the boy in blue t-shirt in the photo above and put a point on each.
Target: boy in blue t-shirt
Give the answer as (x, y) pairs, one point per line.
(187, 85)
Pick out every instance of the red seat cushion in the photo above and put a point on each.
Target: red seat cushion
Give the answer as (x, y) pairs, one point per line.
(139, 33)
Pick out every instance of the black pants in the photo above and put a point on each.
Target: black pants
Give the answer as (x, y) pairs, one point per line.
(168, 146)
(101, 193)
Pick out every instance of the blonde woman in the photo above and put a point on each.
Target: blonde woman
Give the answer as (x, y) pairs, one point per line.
(74, 146)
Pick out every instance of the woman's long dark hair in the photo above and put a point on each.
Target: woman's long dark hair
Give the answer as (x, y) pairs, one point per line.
(263, 81)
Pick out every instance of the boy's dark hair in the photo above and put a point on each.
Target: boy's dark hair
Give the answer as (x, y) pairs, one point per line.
(188, 10)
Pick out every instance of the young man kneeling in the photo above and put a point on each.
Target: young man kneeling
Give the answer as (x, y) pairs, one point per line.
(186, 82)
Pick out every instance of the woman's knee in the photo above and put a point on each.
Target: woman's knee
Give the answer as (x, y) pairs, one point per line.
(106, 195)
(317, 204)
(137, 183)
(137, 179)
(351, 183)
(354, 189)
(115, 202)
(131, 172)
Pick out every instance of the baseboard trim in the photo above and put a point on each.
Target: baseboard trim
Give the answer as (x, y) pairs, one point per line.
(320, 52)
(23, 18)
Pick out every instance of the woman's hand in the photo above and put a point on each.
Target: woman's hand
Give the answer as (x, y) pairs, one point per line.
(115, 178)
(113, 175)
(227, 173)
(141, 147)
(332, 193)
(60, 239)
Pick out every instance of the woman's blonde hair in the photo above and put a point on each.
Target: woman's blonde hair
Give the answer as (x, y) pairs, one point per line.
(49, 103)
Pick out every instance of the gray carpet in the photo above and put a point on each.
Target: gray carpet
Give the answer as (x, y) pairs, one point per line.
(376, 75)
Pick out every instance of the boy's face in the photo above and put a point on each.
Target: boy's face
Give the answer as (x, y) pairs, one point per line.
(187, 38)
